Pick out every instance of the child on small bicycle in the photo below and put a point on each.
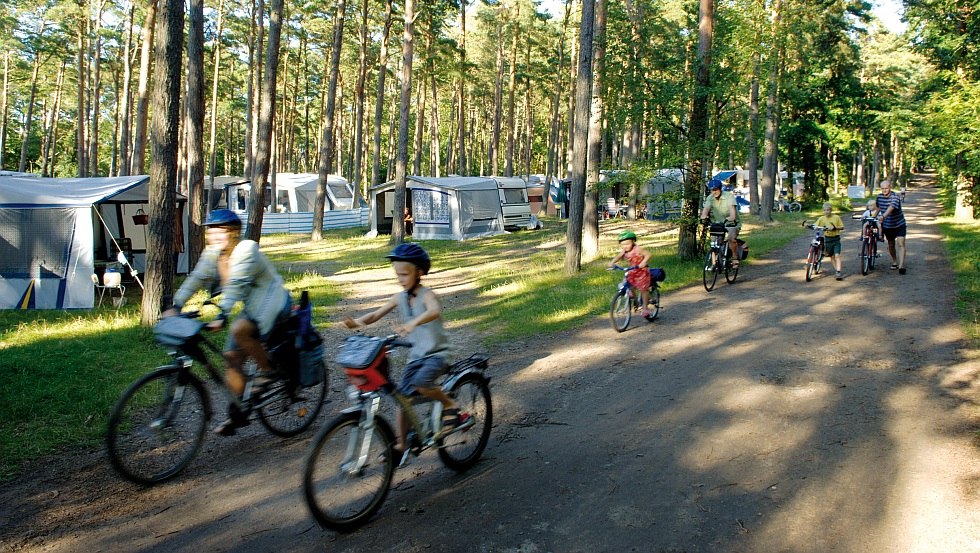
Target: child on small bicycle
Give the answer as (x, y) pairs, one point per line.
(635, 256)
(871, 212)
(831, 245)
(421, 315)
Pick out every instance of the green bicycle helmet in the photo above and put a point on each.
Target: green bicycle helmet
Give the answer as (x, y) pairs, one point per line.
(626, 235)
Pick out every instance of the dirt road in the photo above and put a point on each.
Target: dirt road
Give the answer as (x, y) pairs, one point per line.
(769, 415)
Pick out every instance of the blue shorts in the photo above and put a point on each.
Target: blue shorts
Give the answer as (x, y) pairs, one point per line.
(287, 309)
(422, 373)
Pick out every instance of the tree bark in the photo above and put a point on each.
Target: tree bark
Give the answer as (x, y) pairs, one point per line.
(216, 66)
(404, 111)
(28, 123)
(687, 245)
(160, 248)
(379, 100)
(770, 166)
(96, 95)
(497, 106)
(461, 133)
(552, 166)
(583, 95)
(266, 121)
(511, 86)
(327, 145)
(359, 107)
(590, 223)
(138, 165)
(3, 107)
(124, 109)
(195, 130)
(47, 156)
(752, 136)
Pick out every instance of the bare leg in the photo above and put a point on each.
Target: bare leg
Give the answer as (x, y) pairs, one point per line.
(900, 246)
(891, 251)
(247, 336)
(402, 421)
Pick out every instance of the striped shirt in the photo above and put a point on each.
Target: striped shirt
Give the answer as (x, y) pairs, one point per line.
(896, 218)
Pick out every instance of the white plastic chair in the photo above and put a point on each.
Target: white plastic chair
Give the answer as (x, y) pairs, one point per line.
(111, 281)
(613, 209)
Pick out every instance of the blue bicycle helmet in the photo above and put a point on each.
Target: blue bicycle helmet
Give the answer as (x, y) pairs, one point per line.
(714, 184)
(223, 218)
(412, 253)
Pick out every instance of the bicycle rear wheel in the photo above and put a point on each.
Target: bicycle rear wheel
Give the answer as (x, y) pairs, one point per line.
(865, 256)
(347, 474)
(795, 207)
(654, 305)
(462, 449)
(157, 426)
(710, 275)
(290, 408)
(621, 311)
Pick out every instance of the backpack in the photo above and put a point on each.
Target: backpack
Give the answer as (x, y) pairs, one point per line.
(309, 344)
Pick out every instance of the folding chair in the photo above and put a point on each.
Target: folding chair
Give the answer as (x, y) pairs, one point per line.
(111, 281)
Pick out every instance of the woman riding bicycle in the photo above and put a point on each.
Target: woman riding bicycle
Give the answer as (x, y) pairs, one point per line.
(721, 208)
(635, 256)
(244, 274)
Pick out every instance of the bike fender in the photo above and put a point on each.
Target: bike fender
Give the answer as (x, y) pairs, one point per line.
(453, 379)
(349, 410)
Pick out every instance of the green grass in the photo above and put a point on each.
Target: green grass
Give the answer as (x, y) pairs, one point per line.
(61, 371)
(961, 248)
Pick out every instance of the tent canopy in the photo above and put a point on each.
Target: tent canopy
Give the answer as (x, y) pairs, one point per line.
(35, 193)
(443, 208)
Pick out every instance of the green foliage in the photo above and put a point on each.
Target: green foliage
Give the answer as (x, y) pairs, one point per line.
(961, 249)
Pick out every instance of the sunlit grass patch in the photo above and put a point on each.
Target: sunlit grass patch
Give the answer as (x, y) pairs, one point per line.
(961, 249)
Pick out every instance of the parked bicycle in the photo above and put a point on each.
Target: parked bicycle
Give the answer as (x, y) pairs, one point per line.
(158, 425)
(870, 237)
(351, 461)
(628, 300)
(782, 204)
(814, 256)
(718, 258)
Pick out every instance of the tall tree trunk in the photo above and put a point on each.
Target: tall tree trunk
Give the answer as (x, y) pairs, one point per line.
(590, 224)
(583, 96)
(81, 59)
(25, 134)
(752, 136)
(572, 93)
(435, 148)
(359, 108)
(497, 106)
(124, 109)
(266, 121)
(552, 168)
(404, 111)
(770, 166)
(160, 247)
(138, 165)
(52, 134)
(687, 246)
(379, 100)
(96, 95)
(327, 145)
(256, 97)
(461, 133)
(512, 85)
(3, 107)
(216, 66)
(195, 129)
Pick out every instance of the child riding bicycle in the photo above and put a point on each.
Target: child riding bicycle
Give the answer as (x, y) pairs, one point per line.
(871, 212)
(421, 325)
(636, 257)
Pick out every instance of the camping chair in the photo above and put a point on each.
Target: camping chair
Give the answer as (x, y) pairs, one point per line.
(111, 280)
(613, 209)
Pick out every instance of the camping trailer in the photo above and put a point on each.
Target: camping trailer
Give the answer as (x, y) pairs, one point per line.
(295, 193)
(56, 233)
(513, 202)
(442, 208)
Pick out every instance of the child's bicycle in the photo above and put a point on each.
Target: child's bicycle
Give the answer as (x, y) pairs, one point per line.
(627, 299)
(350, 464)
(158, 425)
(814, 255)
(869, 243)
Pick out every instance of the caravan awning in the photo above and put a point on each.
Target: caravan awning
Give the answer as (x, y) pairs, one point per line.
(33, 193)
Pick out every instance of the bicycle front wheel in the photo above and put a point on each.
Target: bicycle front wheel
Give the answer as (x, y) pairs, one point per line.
(874, 253)
(462, 449)
(731, 271)
(795, 207)
(290, 408)
(157, 426)
(710, 275)
(865, 256)
(348, 471)
(621, 311)
(810, 264)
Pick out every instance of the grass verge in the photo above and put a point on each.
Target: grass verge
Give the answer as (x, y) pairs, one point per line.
(961, 249)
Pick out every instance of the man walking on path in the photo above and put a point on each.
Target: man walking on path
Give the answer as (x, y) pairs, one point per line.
(892, 224)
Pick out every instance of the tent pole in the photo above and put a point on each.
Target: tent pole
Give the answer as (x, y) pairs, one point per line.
(119, 249)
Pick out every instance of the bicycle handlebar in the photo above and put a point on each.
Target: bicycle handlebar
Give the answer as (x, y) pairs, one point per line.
(395, 341)
(619, 268)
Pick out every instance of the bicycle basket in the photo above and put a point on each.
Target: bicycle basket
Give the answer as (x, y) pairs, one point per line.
(718, 228)
(364, 361)
(176, 331)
